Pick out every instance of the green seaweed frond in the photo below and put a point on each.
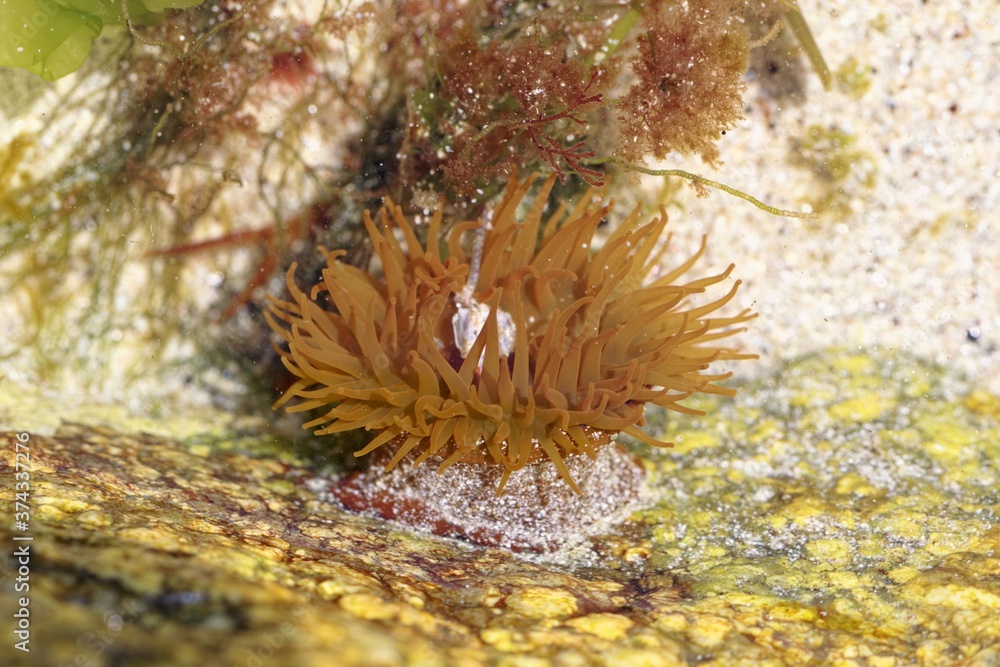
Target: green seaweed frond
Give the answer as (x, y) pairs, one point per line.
(797, 24)
(698, 180)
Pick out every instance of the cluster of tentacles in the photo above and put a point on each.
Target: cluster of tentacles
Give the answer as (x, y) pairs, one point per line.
(532, 344)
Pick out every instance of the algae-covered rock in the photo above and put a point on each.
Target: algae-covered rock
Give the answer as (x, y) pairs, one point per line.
(792, 526)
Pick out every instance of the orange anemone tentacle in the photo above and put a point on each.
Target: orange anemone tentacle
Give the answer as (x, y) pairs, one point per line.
(557, 347)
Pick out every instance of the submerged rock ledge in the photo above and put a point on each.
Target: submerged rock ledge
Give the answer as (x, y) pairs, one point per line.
(843, 510)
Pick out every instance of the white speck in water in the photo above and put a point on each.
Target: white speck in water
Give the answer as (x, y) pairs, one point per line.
(311, 109)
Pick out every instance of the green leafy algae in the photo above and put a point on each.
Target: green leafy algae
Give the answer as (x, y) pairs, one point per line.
(52, 38)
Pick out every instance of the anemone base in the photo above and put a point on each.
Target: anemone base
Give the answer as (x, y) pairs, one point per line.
(538, 512)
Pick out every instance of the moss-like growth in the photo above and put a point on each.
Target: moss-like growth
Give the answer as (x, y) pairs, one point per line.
(541, 88)
(853, 78)
(843, 171)
(689, 71)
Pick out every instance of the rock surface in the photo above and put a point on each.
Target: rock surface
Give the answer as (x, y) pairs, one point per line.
(841, 511)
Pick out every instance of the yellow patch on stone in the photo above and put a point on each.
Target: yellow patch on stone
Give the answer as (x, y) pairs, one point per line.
(844, 579)
(984, 403)
(490, 597)
(55, 510)
(812, 396)
(863, 408)
(700, 519)
(945, 440)
(801, 510)
(688, 441)
(905, 525)
(854, 484)
(673, 622)
(735, 476)
(63, 504)
(764, 429)
(605, 626)
(788, 611)
(709, 630)
(638, 657)
(241, 563)
(962, 597)
(934, 652)
(847, 519)
(345, 583)
(94, 518)
(713, 551)
(370, 607)
(917, 386)
(903, 574)
(163, 540)
(854, 365)
(635, 555)
(882, 661)
(331, 589)
(542, 602)
(838, 552)
(279, 486)
(417, 618)
(943, 543)
(523, 661)
(505, 639)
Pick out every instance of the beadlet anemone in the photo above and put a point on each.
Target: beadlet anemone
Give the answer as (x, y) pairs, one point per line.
(531, 345)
